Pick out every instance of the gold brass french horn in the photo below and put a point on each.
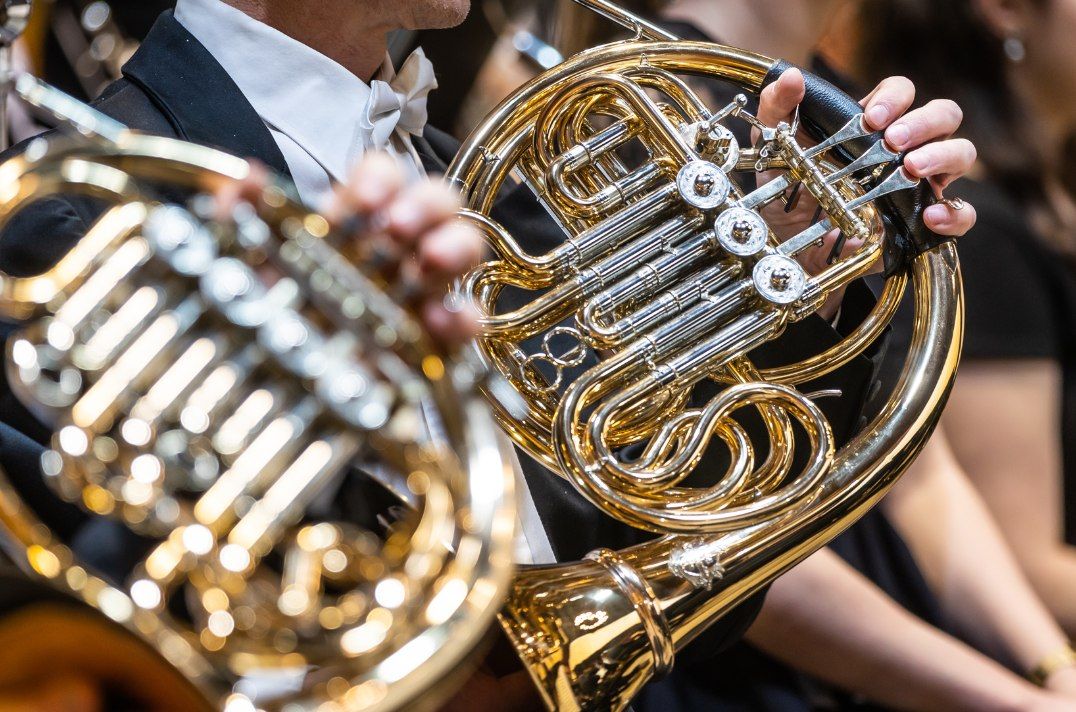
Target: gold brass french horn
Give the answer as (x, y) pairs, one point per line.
(211, 382)
(671, 274)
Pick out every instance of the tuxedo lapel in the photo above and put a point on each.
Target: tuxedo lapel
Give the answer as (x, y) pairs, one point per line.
(204, 105)
(435, 149)
(197, 96)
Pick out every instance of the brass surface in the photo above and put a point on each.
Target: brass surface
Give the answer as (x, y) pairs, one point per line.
(212, 380)
(604, 337)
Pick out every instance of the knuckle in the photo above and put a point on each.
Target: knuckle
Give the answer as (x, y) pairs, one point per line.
(917, 126)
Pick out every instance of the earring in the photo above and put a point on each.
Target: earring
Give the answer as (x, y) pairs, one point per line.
(1014, 49)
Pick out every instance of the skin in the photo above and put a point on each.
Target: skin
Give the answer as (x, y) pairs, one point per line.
(415, 227)
(1004, 416)
(955, 539)
(413, 230)
(1045, 79)
(790, 29)
(813, 619)
(947, 526)
(924, 133)
(354, 34)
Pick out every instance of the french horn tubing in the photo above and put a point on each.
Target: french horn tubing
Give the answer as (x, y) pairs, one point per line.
(211, 381)
(670, 273)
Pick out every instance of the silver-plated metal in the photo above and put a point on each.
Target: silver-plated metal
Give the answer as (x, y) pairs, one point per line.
(211, 383)
(779, 279)
(741, 232)
(697, 561)
(686, 309)
(703, 185)
(14, 17)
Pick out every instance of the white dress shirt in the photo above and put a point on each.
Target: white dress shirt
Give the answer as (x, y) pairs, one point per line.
(318, 114)
(313, 106)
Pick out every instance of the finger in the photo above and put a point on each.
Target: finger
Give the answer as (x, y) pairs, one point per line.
(891, 98)
(448, 252)
(420, 208)
(373, 185)
(777, 101)
(945, 220)
(937, 119)
(450, 326)
(951, 159)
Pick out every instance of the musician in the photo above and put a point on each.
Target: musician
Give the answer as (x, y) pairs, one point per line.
(305, 89)
(1010, 416)
(848, 627)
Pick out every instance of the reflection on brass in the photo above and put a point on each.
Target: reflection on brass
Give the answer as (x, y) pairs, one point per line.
(671, 273)
(211, 382)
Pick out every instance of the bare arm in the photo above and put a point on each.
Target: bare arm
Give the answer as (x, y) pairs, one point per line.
(826, 619)
(968, 563)
(1003, 423)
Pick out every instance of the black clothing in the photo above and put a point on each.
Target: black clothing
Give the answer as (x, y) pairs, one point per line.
(67, 46)
(1020, 303)
(174, 87)
(744, 678)
(1020, 298)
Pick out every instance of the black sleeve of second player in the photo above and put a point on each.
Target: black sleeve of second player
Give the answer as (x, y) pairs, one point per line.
(1009, 310)
(1010, 283)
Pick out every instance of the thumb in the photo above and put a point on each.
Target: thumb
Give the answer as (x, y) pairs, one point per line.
(777, 101)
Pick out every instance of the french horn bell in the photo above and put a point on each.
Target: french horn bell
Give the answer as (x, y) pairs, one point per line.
(671, 273)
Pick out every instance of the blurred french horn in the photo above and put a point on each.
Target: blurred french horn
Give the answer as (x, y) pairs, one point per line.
(212, 381)
(671, 274)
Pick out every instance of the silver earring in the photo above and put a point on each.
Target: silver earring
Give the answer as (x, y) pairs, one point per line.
(1014, 49)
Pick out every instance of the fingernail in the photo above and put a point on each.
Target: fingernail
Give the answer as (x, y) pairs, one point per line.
(936, 213)
(878, 115)
(917, 165)
(898, 135)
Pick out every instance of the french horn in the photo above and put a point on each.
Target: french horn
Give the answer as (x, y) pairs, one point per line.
(212, 382)
(670, 274)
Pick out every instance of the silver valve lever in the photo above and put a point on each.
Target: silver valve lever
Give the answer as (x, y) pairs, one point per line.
(877, 155)
(855, 128)
(897, 180)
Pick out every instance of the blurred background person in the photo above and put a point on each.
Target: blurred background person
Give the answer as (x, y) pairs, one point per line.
(1011, 418)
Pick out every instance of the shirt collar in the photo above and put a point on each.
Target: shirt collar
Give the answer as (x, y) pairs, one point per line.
(296, 90)
(195, 96)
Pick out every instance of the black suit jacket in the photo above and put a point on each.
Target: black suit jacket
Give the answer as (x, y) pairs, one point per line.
(173, 87)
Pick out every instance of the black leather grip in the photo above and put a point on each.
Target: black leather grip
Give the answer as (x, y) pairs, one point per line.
(824, 111)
